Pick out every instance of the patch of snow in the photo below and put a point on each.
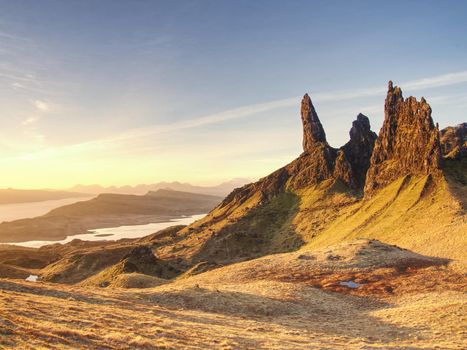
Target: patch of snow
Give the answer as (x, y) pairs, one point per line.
(350, 284)
(32, 278)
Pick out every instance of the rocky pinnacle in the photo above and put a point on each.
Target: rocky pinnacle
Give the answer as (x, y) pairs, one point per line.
(313, 131)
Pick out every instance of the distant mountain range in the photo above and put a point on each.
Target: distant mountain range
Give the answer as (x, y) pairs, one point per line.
(11, 196)
(107, 210)
(219, 190)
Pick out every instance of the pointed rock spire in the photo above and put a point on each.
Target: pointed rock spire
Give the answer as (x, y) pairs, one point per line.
(313, 131)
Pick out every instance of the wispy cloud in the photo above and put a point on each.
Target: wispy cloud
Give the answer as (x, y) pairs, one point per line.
(120, 140)
(437, 81)
(41, 106)
(245, 111)
(30, 120)
(412, 85)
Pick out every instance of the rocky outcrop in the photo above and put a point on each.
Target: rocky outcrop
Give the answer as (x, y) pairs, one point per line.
(408, 143)
(454, 142)
(313, 131)
(358, 150)
(141, 259)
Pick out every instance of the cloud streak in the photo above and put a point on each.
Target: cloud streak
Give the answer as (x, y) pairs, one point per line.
(41, 106)
(116, 141)
(245, 111)
(30, 120)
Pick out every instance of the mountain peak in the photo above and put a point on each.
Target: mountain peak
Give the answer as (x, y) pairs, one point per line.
(360, 128)
(313, 131)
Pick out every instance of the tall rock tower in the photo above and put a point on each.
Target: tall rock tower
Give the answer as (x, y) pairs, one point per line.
(313, 131)
(408, 143)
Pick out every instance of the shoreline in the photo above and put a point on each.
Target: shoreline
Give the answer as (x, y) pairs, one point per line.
(119, 223)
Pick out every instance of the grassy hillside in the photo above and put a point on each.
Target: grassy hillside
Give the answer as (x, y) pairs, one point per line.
(421, 213)
(412, 212)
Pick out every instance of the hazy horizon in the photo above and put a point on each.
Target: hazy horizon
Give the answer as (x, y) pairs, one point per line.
(123, 93)
(75, 187)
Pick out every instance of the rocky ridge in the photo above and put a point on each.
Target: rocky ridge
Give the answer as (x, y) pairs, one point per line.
(319, 161)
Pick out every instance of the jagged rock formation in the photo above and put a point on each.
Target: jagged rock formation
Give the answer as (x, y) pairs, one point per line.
(318, 162)
(408, 143)
(313, 131)
(257, 218)
(454, 141)
(353, 159)
(359, 149)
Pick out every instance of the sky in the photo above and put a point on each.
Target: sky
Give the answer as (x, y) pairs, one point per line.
(129, 92)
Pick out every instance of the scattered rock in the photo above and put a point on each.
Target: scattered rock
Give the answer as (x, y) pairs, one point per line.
(306, 257)
(333, 257)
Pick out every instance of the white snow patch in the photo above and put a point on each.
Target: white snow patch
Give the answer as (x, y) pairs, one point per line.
(350, 284)
(32, 278)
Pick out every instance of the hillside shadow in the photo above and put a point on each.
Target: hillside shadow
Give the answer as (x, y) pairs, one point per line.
(264, 230)
(298, 315)
(456, 176)
(42, 291)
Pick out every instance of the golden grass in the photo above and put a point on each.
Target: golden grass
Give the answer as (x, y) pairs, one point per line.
(249, 306)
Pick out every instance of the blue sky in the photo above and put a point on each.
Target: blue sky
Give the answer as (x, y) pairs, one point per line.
(126, 92)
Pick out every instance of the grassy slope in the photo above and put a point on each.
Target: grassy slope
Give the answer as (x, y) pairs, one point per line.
(417, 213)
(262, 230)
(410, 212)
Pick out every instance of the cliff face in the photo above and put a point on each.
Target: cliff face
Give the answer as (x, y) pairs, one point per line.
(408, 143)
(454, 142)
